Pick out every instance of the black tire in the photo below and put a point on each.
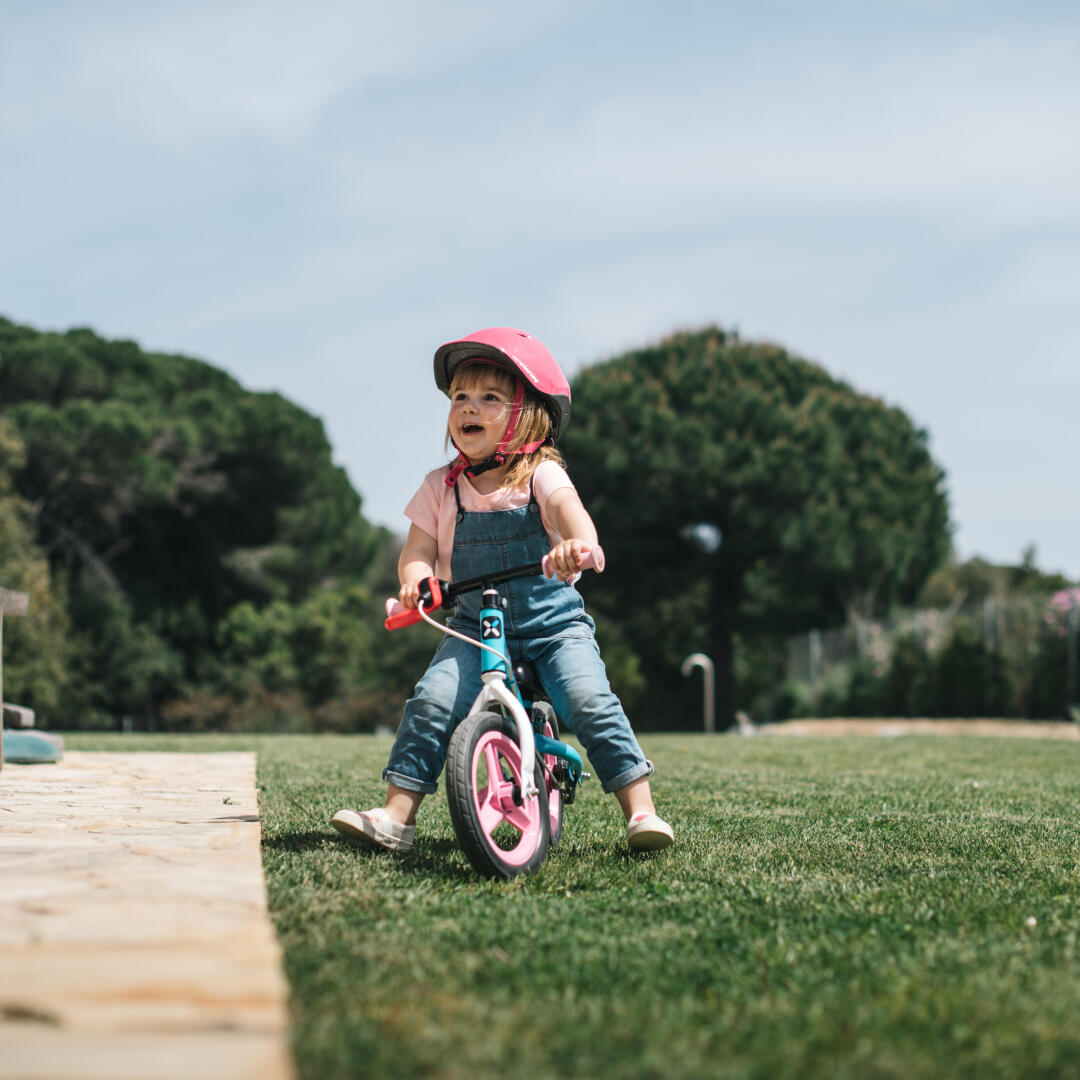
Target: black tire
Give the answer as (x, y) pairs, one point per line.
(555, 799)
(502, 834)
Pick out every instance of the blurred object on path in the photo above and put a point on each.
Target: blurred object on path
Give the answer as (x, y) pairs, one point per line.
(11, 603)
(27, 747)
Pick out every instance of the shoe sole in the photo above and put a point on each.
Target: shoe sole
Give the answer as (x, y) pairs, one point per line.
(376, 838)
(650, 841)
(351, 831)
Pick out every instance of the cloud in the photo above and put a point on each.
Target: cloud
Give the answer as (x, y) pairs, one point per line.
(313, 196)
(477, 113)
(981, 127)
(176, 73)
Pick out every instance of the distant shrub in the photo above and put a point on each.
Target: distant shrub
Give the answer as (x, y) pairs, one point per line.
(1007, 659)
(969, 677)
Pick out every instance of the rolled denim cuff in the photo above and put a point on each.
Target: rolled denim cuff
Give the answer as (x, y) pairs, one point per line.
(409, 783)
(628, 776)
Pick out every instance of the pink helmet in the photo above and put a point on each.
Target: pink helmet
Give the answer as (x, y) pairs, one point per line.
(522, 355)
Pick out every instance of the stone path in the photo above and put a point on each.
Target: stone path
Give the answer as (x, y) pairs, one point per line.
(135, 940)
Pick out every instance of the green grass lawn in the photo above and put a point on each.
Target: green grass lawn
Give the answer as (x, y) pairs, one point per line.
(833, 907)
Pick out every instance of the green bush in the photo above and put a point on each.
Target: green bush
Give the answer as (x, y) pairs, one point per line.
(1016, 669)
(1047, 691)
(793, 699)
(865, 690)
(970, 678)
(908, 688)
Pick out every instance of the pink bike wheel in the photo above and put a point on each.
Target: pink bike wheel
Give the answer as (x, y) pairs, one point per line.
(501, 832)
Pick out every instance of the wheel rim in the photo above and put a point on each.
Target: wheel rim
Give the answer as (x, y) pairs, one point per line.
(511, 831)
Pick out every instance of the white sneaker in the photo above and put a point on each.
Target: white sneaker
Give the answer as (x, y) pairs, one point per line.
(647, 832)
(375, 828)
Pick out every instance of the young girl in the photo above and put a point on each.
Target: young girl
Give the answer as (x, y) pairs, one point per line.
(506, 500)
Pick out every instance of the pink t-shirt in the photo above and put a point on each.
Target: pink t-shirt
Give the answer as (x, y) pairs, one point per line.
(434, 509)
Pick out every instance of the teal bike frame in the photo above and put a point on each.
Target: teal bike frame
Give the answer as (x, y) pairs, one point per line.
(500, 688)
(495, 665)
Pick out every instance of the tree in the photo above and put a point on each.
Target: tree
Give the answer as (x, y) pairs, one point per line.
(165, 496)
(738, 489)
(35, 647)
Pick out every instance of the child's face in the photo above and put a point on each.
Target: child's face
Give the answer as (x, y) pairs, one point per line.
(480, 399)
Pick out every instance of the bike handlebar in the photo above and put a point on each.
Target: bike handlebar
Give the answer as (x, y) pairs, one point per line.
(434, 592)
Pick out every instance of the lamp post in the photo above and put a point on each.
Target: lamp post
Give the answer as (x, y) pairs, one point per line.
(708, 670)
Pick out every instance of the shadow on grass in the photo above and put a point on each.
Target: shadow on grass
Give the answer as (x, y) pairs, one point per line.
(434, 858)
(430, 857)
(311, 840)
(437, 857)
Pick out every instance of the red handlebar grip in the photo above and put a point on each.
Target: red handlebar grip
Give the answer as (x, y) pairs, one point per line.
(397, 616)
(436, 593)
(405, 617)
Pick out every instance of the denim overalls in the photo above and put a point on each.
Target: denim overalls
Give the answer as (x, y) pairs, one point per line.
(547, 626)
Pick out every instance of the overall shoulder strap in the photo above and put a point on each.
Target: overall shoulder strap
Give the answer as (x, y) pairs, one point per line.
(460, 509)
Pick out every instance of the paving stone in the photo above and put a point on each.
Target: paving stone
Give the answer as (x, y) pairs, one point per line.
(135, 939)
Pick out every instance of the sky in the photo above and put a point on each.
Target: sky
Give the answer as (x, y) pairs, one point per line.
(315, 196)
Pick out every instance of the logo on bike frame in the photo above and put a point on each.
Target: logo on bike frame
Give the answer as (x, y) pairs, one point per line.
(491, 627)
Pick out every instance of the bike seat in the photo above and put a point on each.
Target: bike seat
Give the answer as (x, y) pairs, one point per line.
(528, 683)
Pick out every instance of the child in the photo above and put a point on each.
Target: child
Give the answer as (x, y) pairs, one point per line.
(505, 501)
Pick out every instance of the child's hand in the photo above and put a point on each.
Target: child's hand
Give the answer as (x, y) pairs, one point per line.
(566, 559)
(409, 594)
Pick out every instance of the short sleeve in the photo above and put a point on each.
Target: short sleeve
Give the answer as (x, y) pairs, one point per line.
(423, 508)
(548, 478)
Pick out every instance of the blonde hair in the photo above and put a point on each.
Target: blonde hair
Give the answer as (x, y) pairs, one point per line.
(533, 423)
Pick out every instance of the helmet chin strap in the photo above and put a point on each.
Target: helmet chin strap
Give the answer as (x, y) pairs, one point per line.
(499, 457)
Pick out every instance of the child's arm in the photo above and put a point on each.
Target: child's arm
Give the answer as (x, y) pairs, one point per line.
(416, 563)
(566, 512)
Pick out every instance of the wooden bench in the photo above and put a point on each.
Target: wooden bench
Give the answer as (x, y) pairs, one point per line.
(11, 603)
(18, 716)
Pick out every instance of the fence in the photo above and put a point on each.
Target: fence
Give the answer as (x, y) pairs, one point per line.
(1027, 647)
